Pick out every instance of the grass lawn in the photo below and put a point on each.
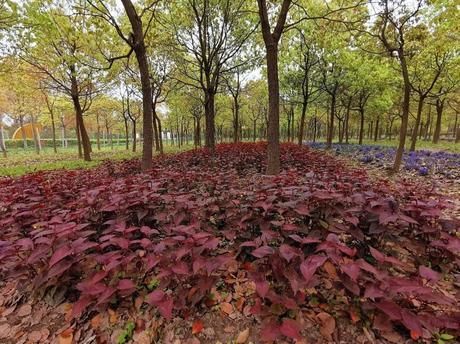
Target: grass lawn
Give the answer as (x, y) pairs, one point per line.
(22, 161)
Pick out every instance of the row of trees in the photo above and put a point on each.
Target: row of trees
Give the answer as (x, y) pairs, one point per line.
(333, 69)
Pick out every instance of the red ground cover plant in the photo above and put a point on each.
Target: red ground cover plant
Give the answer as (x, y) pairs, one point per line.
(112, 233)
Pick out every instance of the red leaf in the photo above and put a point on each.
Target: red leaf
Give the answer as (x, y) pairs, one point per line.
(154, 297)
(270, 332)
(60, 254)
(165, 307)
(288, 252)
(411, 321)
(351, 270)
(79, 306)
(262, 286)
(429, 274)
(262, 251)
(126, 284)
(380, 257)
(197, 326)
(310, 265)
(290, 328)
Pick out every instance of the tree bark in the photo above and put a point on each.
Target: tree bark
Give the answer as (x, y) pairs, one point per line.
(271, 41)
(413, 143)
(405, 112)
(2, 140)
(330, 132)
(439, 111)
(134, 135)
(160, 136)
(23, 133)
(209, 113)
(37, 143)
(77, 131)
(376, 130)
(126, 133)
(85, 142)
(138, 46)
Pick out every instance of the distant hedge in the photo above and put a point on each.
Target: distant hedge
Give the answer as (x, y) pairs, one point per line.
(13, 144)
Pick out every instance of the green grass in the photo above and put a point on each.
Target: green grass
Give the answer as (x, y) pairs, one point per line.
(23, 161)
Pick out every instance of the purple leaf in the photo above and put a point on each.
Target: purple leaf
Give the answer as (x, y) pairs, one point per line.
(262, 251)
(126, 284)
(310, 265)
(429, 274)
(288, 252)
(60, 254)
(290, 329)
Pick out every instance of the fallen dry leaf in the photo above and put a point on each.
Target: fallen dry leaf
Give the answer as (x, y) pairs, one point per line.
(327, 327)
(113, 317)
(197, 326)
(24, 311)
(35, 336)
(242, 337)
(66, 336)
(330, 269)
(226, 308)
(5, 330)
(96, 321)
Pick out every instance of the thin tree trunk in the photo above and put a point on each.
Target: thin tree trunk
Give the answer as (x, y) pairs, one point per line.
(126, 133)
(2, 140)
(405, 113)
(376, 130)
(439, 110)
(417, 123)
(37, 143)
(98, 133)
(160, 136)
(23, 133)
(85, 142)
(361, 126)
(134, 136)
(77, 130)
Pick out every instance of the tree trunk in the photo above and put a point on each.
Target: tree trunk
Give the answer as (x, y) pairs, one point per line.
(63, 133)
(139, 49)
(347, 120)
(361, 126)
(98, 133)
(37, 143)
(126, 133)
(376, 130)
(439, 110)
(455, 126)
(160, 136)
(405, 113)
(2, 140)
(273, 134)
(236, 119)
(23, 133)
(85, 142)
(77, 131)
(210, 134)
(53, 131)
(417, 123)
(155, 128)
(134, 136)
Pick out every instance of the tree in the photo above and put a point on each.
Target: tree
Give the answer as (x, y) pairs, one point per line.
(136, 42)
(394, 17)
(271, 41)
(212, 34)
(60, 46)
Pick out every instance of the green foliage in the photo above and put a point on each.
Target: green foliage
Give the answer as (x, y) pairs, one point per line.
(127, 333)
